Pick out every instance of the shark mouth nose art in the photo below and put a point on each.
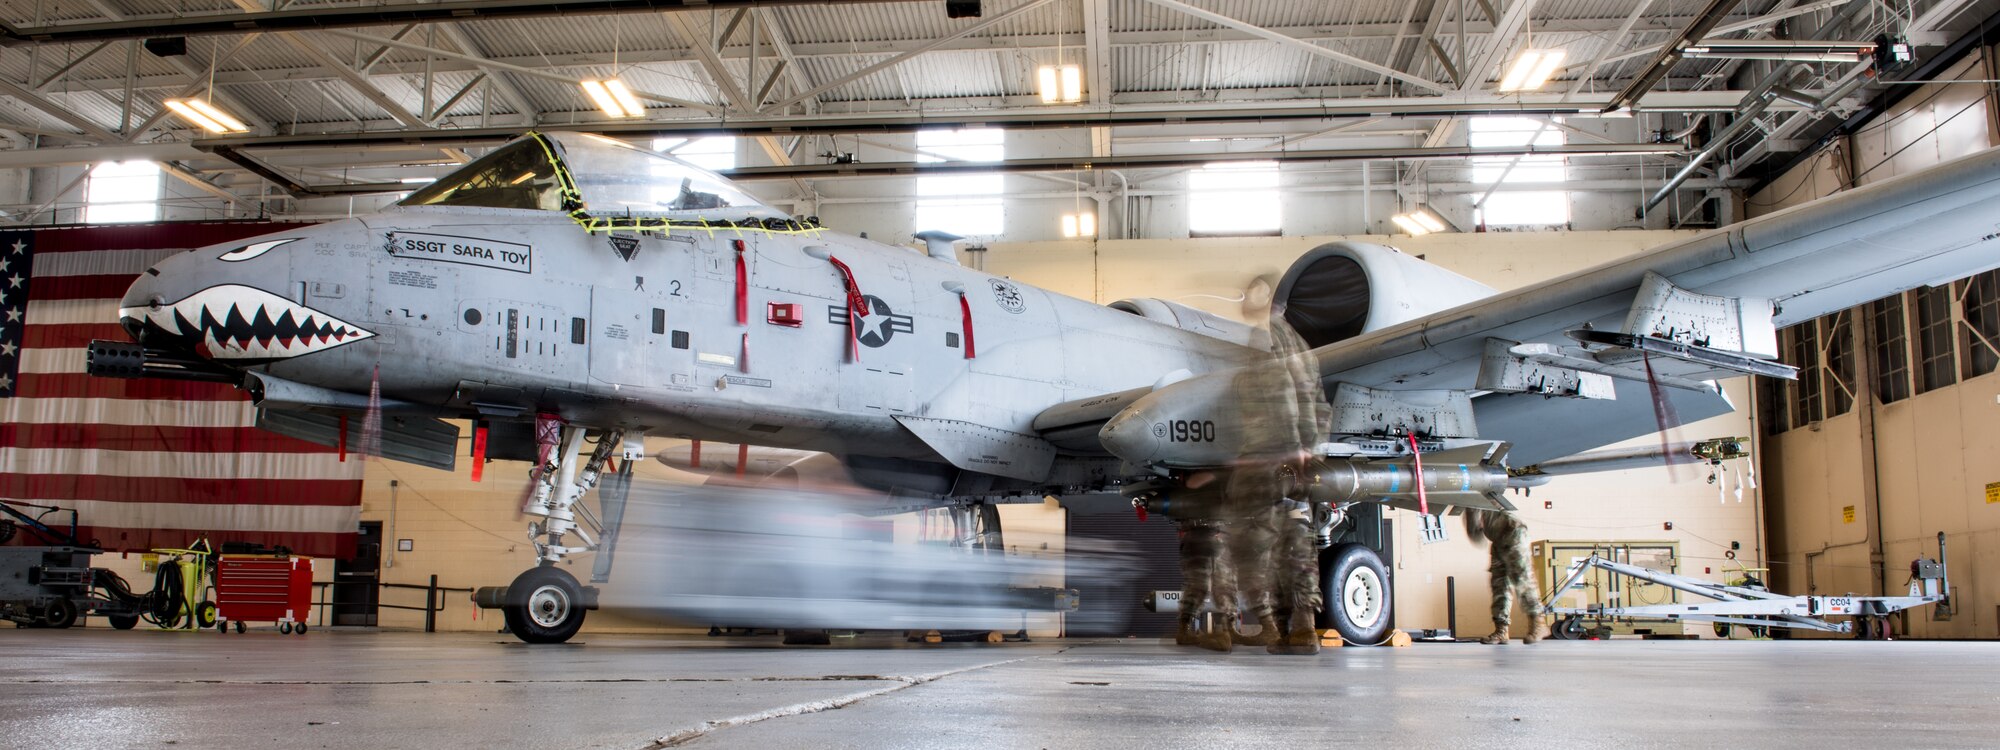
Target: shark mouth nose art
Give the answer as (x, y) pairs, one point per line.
(238, 323)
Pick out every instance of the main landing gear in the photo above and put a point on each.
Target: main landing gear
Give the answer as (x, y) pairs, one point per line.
(546, 604)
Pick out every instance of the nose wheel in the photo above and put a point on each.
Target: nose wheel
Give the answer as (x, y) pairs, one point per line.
(544, 605)
(1355, 589)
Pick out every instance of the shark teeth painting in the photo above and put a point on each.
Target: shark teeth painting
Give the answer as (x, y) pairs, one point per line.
(241, 324)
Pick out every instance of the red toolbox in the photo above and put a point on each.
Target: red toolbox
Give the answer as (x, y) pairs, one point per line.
(263, 588)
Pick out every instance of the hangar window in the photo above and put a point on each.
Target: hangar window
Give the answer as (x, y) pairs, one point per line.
(1979, 299)
(1772, 404)
(1837, 361)
(1802, 344)
(1935, 366)
(1234, 199)
(962, 204)
(122, 193)
(1515, 207)
(715, 153)
(1892, 352)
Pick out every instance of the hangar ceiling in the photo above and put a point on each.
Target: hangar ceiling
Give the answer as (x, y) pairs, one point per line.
(331, 88)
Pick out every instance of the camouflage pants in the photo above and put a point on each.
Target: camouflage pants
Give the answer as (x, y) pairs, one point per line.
(1206, 572)
(1508, 570)
(1276, 564)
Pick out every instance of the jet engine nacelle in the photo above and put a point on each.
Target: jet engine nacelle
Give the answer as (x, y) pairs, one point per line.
(1187, 319)
(1340, 290)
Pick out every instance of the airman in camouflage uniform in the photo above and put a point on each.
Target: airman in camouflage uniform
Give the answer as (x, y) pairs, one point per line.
(1206, 572)
(1285, 414)
(1508, 572)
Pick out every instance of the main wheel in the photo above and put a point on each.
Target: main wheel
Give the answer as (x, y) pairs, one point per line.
(204, 615)
(123, 622)
(1355, 588)
(544, 605)
(61, 613)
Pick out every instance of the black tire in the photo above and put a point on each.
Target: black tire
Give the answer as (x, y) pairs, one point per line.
(1722, 630)
(806, 638)
(123, 622)
(299, 629)
(204, 615)
(240, 627)
(1568, 629)
(61, 613)
(1358, 600)
(544, 605)
(284, 628)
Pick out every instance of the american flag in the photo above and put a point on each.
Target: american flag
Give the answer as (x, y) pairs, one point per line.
(146, 463)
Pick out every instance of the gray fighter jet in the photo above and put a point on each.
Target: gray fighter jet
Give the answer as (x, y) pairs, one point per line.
(571, 294)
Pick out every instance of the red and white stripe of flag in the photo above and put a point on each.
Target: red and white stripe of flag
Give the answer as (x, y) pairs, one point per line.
(150, 463)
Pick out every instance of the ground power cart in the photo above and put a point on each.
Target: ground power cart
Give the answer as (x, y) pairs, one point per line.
(263, 588)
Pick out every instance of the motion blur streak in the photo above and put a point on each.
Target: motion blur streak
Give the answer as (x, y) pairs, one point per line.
(808, 559)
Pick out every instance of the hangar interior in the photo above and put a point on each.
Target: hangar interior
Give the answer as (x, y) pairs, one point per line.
(1117, 149)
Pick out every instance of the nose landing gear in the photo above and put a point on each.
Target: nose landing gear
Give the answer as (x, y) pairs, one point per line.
(547, 604)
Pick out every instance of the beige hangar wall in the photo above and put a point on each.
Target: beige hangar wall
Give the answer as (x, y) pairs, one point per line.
(1914, 467)
(1210, 273)
(471, 534)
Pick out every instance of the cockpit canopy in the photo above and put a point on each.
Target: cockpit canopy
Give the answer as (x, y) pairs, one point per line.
(601, 176)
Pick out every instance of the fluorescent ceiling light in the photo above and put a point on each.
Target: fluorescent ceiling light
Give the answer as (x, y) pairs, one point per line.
(613, 98)
(1781, 49)
(206, 116)
(1419, 222)
(625, 98)
(1079, 225)
(1059, 84)
(1531, 69)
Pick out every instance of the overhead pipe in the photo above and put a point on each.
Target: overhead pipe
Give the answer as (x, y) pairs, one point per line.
(1754, 104)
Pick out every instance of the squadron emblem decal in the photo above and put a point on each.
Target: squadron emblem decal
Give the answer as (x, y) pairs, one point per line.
(878, 326)
(1008, 295)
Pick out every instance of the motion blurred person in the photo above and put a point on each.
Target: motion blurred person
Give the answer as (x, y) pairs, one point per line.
(1508, 572)
(1206, 572)
(1284, 414)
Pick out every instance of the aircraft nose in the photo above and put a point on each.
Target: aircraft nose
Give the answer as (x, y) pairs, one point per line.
(1129, 435)
(141, 299)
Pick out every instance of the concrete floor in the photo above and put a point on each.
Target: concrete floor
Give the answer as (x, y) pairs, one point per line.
(94, 688)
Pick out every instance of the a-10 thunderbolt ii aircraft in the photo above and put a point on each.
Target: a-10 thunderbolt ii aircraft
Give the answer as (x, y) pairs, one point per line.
(601, 293)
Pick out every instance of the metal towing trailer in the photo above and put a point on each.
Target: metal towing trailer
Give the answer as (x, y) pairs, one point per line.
(1749, 606)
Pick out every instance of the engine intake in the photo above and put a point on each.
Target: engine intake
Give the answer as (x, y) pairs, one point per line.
(1340, 290)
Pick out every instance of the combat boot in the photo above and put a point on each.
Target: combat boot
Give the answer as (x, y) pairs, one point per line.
(1185, 635)
(1538, 628)
(1499, 634)
(1215, 640)
(1301, 639)
(1265, 636)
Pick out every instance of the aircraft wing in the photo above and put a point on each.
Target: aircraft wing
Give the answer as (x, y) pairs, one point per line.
(1920, 229)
